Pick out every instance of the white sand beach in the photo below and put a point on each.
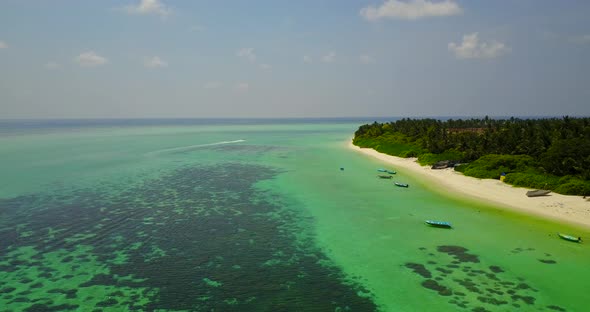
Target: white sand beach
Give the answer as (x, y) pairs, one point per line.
(570, 209)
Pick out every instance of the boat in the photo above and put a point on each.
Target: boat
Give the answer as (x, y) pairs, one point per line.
(570, 238)
(444, 164)
(381, 170)
(441, 224)
(384, 176)
(401, 184)
(390, 171)
(536, 193)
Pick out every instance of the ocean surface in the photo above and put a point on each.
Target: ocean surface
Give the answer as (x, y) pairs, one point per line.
(255, 215)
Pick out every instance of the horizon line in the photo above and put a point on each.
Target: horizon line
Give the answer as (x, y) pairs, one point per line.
(288, 118)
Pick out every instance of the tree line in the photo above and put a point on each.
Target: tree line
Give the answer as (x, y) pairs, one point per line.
(551, 153)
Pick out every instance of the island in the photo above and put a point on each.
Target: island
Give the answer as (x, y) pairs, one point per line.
(493, 160)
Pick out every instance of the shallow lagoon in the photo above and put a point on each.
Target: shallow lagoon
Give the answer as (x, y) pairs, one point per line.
(255, 216)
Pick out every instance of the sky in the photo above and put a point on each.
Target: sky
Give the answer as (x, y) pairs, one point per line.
(283, 58)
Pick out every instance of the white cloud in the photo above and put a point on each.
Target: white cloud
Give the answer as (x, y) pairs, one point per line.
(242, 86)
(471, 48)
(329, 58)
(366, 59)
(90, 59)
(265, 66)
(212, 85)
(146, 7)
(52, 66)
(247, 53)
(3, 45)
(307, 59)
(411, 9)
(580, 39)
(155, 62)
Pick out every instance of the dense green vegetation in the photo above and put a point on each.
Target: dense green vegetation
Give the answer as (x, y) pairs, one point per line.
(551, 153)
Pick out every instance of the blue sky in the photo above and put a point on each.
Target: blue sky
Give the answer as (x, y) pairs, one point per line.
(148, 58)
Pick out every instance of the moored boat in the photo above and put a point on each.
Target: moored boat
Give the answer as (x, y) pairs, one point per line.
(391, 171)
(570, 238)
(384, 176)
(441, 224)
(537, 193)
(381, 170)
(401, 184)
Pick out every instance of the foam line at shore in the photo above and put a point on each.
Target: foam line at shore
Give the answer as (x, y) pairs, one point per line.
(574, 210)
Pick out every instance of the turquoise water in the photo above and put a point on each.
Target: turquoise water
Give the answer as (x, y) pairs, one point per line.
(255, 216)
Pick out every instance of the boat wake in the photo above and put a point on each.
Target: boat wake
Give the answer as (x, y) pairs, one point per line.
(190, 147)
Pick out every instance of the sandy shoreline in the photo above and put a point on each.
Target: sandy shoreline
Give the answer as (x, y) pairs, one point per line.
(570, 209)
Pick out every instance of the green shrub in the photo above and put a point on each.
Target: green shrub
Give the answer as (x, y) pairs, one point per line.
(461, 168)
(574, 187)
(482, 173)
(567, 185)
(493, 165)
(409, 153)
(430, 158)
(532, 180)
